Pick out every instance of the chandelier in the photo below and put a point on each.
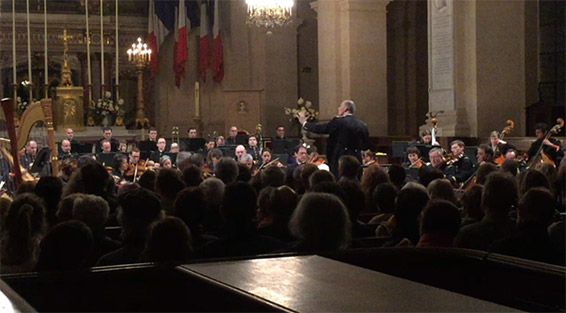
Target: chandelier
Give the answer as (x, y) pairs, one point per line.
(269, 13)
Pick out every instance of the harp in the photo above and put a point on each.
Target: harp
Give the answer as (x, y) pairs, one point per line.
(37, 113)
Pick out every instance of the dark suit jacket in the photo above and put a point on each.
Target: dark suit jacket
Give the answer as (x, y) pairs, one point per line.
(348, 136)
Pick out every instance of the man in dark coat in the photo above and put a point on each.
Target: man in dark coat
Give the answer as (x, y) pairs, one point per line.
(551, 147)
(348, 134)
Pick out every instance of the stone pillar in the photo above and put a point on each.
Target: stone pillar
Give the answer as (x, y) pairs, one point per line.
(353, 59)
(488, 70)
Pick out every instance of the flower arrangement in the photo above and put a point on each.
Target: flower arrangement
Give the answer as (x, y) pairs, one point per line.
(302, 105)
(105, 111)
(21, 106)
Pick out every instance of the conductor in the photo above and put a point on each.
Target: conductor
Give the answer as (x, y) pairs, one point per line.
(348, 134)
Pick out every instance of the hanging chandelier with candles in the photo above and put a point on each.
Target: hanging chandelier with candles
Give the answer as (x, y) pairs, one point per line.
(269, 13)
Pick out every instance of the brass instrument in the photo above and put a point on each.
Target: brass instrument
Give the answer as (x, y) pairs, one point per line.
(175, 134)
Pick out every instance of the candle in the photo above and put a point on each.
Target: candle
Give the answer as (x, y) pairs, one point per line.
(14, 71)
(117, 55)
(197, 99)
(45, 40)
(29, 47)
(101, 44)
(87, 46)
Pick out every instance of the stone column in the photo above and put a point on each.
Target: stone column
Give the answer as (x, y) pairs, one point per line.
(489, 69)
(353, 59)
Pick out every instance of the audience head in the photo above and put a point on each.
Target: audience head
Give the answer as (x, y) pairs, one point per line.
(65, 207)
(410, 202)
(510, 167)
(500, 194)
(226, 170)
(441, 189)
(272, 176)
(320, 176)
(428, 174)
(440, 217)
(244, 173)
(24, 227)
(196, 159)
(373, 176)
(532, 178)
(91, 210)
(239, 205)
(348, 166)
(355, 199)
(147, 180)
(247, 160)
(68, 246)
(49, 188)
(384, 197)
(138, 209)
(320, 222)
(537, 206)
(169, 240)
(483, 171)
(283, 202)
(168, 183)
(471, 203)
(305, 171)
(190, 206)
(192, 175)
(397, 175)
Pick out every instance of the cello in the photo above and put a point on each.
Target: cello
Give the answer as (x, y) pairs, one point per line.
(500, 158)
(540, 156)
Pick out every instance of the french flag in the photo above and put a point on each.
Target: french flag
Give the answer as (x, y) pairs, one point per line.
(204, 45)
(181, 50)
(161, 20)
(218, 53)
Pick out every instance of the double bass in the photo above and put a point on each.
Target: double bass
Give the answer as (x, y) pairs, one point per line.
(540, 156)
(499, 157)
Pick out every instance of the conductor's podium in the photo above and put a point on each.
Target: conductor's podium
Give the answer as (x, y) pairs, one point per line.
(346, 282)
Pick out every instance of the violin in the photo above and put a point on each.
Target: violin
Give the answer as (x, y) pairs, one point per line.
(315, 159)
(452, 159)
(417, 164)
(135, 171)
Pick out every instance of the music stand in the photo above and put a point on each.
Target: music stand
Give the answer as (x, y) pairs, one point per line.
(41, 160)
(242, 139)
(279, 146)
(106, 159)
(147, 145)
(229, 151)
(81, 148)
(192, 144)
(291, 144)
(283, 158)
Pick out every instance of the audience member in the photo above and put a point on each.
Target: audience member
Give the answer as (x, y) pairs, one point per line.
(440, 223)
(213, 189)
(274, 219)
(167, 185)
(500, 195)
(192, 175)
(93, 211)
(397, 175)
(226, 170)
(190, 207)
(169, 241)
(471, 205)
(320, 223)
(532, 241)
(67, 247)
(348, 168)
(532, 178)
(147, 180)
(23, 230)
(384, 197)
(441, 189)
(50, 188)
(138, 209)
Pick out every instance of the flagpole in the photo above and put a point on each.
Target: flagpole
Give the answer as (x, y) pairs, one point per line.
(89, 76)
(46, 85)
(117, 58)
(14, 62)
(101, 49)
(30, 80)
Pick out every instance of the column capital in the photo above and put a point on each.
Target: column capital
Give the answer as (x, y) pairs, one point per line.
(364, 5)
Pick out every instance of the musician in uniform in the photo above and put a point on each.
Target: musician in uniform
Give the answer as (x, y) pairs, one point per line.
(152, 134)
(484, 155)
(30, 153)
(158, 154)
(65, 148)
(551, 147)
(107, 133)
(253, 148)
(231, 140)
(280, 131)
(460, 167)
(348, 134)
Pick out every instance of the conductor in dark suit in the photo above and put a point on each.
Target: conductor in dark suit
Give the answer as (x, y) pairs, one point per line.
(348, 134)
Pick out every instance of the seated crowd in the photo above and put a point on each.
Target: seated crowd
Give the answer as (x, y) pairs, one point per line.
(181, 214)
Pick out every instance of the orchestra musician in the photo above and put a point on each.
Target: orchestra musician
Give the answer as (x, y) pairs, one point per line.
(426, 138)
(498, 145)
(552, 147)
(119, 168)
(136, 167)
(156, 155)
(414, 157)
(484, 155)
(253, 148)
(213, 157)
(460, 167)
(65, 148)
(165, 162)
(29, 155)
(248, 161)
(435, 156)
(267, 159)
(369, 158)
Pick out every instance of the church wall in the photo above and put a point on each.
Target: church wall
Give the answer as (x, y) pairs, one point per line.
(500, 64)
(260, 70)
